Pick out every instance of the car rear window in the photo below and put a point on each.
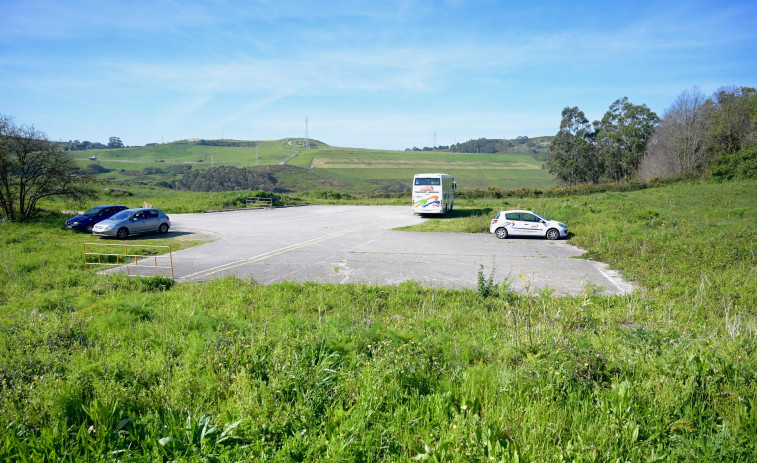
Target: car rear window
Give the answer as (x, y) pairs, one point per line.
(426, 181)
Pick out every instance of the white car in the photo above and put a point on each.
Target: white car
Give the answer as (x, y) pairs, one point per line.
(526, 223)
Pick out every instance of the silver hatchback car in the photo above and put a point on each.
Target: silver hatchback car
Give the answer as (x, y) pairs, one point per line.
(133, 222)
(526, 223)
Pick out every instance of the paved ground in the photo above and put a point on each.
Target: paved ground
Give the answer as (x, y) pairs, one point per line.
(351, 244)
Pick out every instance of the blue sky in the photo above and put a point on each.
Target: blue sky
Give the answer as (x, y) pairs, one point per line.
(371, 74)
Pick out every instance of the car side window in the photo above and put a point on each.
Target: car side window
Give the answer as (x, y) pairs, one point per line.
(152, 214)
(530, 218)
(139, 216)
(512, 216)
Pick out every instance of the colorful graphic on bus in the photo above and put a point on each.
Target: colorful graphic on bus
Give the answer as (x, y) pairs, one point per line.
(426, 202)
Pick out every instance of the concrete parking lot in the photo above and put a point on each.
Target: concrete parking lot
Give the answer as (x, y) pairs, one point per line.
(357, 244)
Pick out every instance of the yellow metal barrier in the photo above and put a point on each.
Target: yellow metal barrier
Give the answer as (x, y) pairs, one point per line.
(128, 259)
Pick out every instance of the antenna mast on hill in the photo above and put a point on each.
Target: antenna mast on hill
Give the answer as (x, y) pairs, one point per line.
(306, 132)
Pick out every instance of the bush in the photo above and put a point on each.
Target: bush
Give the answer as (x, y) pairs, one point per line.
(164, 184)
(118, 192)
(178, 169)
(152, 170)
(739, 165)
(96, 169)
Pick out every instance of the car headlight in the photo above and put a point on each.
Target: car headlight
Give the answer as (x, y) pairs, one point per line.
(73, 223)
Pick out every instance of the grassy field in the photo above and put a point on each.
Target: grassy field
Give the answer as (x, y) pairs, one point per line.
(110, 368)
(342, 169)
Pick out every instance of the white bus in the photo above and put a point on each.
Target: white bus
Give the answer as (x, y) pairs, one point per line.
(433, 193)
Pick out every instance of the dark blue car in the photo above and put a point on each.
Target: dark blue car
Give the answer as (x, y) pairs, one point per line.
(86, 221)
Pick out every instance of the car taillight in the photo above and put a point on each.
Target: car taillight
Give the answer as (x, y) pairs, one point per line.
(168, 218)
(494, 221)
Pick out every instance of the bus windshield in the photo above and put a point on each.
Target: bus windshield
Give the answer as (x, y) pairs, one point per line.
(427, 181)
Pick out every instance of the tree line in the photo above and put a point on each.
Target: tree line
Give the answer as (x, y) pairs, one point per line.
(696, 135)
(76, 145)
(534, 147)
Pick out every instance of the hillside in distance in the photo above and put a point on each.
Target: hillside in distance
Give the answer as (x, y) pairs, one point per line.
(296, 164)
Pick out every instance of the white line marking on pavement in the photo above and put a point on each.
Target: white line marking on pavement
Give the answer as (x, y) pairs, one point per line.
(265, 255)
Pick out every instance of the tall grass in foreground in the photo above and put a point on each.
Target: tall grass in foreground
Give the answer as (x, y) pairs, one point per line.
(111, 368)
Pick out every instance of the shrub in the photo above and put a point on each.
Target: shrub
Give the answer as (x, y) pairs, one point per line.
(739, 165)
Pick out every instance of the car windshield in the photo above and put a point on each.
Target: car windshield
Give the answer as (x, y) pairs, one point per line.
(427, 181)
(121, 215)
(541, 217)
(93, 212)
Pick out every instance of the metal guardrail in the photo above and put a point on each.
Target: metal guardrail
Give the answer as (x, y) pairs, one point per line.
(259, 202)
(128, 259)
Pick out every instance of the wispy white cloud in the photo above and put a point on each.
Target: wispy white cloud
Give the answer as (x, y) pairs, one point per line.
(475, 67)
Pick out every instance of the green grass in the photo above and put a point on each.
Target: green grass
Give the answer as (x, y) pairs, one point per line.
(342, 169)
(507, 171)
(111, 368)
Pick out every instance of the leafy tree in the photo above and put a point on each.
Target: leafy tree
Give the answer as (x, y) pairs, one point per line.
(622, 137)
(115, 142)
(572, 157)
(734, 120)
(32, 168)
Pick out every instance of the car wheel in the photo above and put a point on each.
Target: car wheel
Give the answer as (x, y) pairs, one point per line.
(122, 233)
(553, 234)
(163, 228)
(501, 233)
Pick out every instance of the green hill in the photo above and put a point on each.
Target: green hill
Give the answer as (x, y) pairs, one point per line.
(297, 168)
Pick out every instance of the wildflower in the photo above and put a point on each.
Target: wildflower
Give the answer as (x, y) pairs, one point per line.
(464, 407)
